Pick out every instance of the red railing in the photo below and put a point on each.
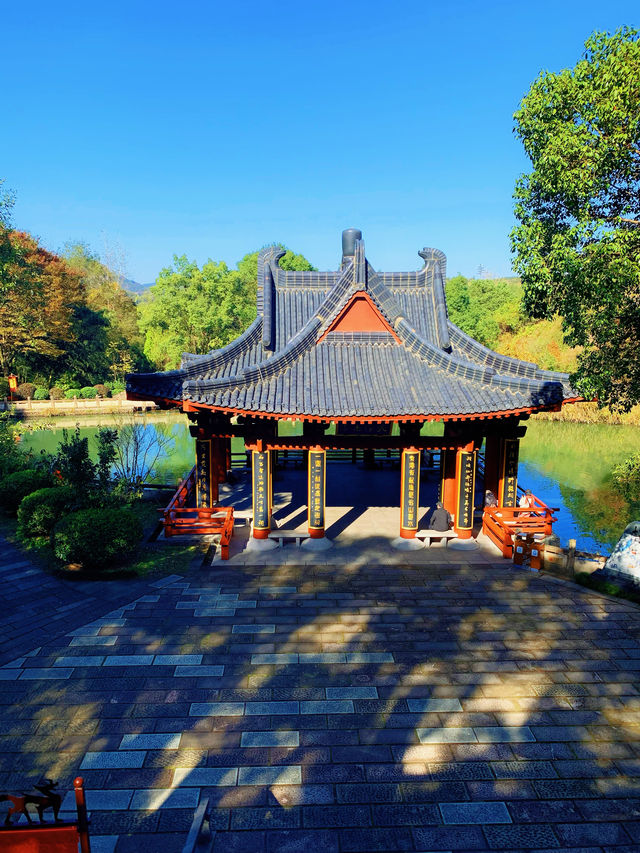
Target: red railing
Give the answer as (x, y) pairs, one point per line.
(501, 523)
(179, 519)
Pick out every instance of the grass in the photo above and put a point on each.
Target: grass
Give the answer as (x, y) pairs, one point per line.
(589, 413)
(607, 587)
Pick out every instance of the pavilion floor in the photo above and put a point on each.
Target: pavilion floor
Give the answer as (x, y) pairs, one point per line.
(362, 518)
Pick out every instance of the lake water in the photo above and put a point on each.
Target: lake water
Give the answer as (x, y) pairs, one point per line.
(566, 465)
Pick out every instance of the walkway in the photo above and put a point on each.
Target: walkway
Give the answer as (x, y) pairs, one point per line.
(353, 707)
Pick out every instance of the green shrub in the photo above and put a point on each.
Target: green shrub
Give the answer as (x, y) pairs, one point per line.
(39, 511)
(4, 387)
(25, 391)
(97, 538)
(18, 485)
(41, 394)
(102, 390)
(88, 392)
(56, 393)
(116, 387)
(70, 393)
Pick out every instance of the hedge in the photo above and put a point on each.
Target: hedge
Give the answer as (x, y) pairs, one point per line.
(18, 485)
(39, 511)
(97, 538)
(25, 391)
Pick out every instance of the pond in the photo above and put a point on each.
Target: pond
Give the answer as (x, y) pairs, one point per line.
(567, 465)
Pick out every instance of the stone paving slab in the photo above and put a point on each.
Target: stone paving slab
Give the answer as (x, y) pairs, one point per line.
(452, 706)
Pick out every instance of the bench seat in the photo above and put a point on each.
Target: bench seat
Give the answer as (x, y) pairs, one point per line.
(282, 536)
(428, 535)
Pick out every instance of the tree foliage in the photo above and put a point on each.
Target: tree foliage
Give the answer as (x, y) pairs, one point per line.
(38, 298)
(577, 244)
(193, 309)
(122, 344)
(626, 478)
(485, 308)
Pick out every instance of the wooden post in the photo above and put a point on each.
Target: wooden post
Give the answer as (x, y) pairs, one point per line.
(261, 488)
(83, 823)
(492, 463)
(571, 557)
(409, 492)
(508, 487)
(465, 489)
(206, 482)
(317, 484)
(448, 493)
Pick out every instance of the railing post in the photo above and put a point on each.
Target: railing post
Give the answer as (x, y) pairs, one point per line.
(83, 823)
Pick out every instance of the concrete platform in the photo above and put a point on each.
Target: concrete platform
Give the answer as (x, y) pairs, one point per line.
(361, 521)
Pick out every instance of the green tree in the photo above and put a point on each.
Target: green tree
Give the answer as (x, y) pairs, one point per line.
(38, 298)
(196, 310)
(484, 308)
(577, 244)
(121, 340)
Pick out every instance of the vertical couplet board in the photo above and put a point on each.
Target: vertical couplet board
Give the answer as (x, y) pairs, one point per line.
(509, 483)
(466, 480)
(317, 491)
(409, 493)
(203, 473)
(261, 493)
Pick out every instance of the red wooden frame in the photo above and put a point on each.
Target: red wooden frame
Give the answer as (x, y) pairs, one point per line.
(500, 523)
(53, 837)
(179, 519)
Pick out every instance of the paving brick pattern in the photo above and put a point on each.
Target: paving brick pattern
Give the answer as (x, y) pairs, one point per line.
(323, 708)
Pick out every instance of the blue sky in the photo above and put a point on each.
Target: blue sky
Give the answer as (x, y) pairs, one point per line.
(210, 129)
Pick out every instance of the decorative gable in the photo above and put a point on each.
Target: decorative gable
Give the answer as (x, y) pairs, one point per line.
(360, 314)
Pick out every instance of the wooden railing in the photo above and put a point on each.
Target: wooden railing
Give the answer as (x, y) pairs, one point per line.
(180, 519)
(501, 523)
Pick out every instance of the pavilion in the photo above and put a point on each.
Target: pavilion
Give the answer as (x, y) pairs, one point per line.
(363, 350)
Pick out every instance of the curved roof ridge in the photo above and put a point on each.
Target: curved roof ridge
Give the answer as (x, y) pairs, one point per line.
(266, 256)
(213, 359)
(434, 355)
(501, 363)
(298, 345)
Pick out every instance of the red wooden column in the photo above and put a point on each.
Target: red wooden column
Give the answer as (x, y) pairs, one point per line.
(316, 499)
(261, 491)
(316, 491)
(508, 484)
(492, 463)
(465, 489)
(448, 480)
(206, 482)
(409, 500)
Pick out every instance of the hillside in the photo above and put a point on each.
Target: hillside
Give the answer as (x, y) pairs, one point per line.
(491, 311)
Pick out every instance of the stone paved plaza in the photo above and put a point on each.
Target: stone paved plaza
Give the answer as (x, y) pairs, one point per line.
(454, 704)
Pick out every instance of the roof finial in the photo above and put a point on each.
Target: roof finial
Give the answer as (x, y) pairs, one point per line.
(350, 237)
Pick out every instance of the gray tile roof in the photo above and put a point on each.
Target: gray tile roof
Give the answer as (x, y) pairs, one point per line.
(289, 362)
